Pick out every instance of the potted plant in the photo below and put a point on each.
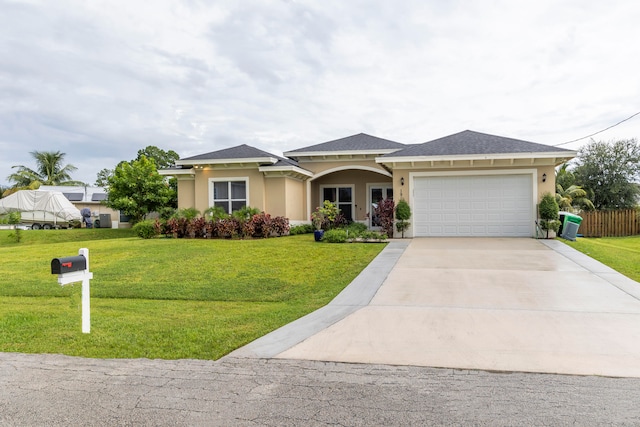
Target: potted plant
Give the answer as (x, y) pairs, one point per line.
(317, 218)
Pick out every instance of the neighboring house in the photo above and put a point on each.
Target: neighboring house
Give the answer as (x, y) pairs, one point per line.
(91, 197)
(466, 184)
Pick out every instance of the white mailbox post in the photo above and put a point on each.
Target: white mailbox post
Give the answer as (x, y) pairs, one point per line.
(76, 269)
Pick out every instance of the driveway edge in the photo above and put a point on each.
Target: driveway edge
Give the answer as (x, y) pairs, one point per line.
(356, 295)
(620, 281)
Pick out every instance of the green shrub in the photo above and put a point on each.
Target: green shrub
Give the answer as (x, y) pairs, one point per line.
(335, 235)
(11, 218)
(215, 213)
(301, 229)
(367, 235)
(355, 229)
(403, 213)
(145, 229)
(548, 209)
(186, 213)
(245, 213)
(15, 218)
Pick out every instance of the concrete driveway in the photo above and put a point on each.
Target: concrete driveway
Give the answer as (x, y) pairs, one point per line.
(475, 303)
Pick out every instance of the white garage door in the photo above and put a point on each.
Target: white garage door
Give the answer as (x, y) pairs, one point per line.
(482, 205)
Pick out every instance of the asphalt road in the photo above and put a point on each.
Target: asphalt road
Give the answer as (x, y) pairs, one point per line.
(53, 390)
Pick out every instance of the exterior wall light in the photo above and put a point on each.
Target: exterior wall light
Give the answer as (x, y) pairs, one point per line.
(544, 177)
(402, 181)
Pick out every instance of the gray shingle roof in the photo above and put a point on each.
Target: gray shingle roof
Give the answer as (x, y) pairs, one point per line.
(243, 151)
(361, 141)
(470, 142)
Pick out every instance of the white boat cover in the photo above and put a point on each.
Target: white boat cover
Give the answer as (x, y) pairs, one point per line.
(40, 206)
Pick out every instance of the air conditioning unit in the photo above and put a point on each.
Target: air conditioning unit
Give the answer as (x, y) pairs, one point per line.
(105, 221)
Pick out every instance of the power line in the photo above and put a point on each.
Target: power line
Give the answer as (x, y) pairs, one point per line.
(600, 131)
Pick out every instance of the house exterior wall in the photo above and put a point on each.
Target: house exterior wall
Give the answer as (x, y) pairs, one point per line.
(255, 180)
(295, 200)
(549, 186)
(186, 192)
(276, 202)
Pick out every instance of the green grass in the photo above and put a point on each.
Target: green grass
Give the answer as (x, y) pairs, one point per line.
(165, 298)
(620, 253)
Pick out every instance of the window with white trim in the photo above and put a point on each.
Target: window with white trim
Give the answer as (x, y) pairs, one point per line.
(230, 195)
(342, 196)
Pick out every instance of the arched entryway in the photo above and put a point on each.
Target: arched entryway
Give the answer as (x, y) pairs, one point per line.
(353, 189)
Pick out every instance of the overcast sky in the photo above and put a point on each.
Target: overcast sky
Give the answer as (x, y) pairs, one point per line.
(99, 80)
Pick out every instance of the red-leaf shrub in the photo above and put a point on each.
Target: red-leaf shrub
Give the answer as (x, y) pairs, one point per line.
(259, 225)
(280, 225)
(385, 211)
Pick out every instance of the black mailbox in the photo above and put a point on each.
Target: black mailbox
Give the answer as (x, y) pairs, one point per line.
(68, 264)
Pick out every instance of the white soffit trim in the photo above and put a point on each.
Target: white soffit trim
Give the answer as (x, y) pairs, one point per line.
(352, 167)
(290, 168)
(171, 172)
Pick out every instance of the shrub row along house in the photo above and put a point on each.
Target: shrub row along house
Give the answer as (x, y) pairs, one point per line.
(466, 184)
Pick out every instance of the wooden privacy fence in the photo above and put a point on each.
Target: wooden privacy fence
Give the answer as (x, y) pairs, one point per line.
(610, 223)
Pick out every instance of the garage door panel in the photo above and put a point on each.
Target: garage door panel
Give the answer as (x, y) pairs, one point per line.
(489, 205)
(464, 204)
(479, 204)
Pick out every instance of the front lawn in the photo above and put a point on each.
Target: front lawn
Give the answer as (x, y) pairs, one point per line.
(165, 298)
(620, 253)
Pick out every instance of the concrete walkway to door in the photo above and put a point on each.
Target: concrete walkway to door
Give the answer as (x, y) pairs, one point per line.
(504, 304)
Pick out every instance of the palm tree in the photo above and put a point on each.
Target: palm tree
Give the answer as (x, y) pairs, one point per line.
(572, 196)
(49, 171)
(564, 176)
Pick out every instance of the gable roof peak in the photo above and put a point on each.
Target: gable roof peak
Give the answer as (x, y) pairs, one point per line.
(242, 151)
(358, 142)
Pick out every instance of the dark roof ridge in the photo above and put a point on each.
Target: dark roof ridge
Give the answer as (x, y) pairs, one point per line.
(470, 142)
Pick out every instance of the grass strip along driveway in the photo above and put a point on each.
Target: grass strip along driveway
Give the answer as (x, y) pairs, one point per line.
(620, 253)
(165, 298)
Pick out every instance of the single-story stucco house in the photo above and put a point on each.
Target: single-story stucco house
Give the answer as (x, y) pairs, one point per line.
(466, 184)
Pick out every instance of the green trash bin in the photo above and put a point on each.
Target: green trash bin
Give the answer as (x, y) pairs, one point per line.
(570, 225)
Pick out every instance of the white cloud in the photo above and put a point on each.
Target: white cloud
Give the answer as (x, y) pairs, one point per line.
(100, 80)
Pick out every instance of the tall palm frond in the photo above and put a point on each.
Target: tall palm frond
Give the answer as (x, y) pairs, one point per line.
(572, 197)
(50, 168)
(49, 171)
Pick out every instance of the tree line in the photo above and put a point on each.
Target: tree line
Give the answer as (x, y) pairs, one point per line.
(604, 176)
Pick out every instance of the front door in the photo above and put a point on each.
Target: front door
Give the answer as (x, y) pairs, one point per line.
(377, 193)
